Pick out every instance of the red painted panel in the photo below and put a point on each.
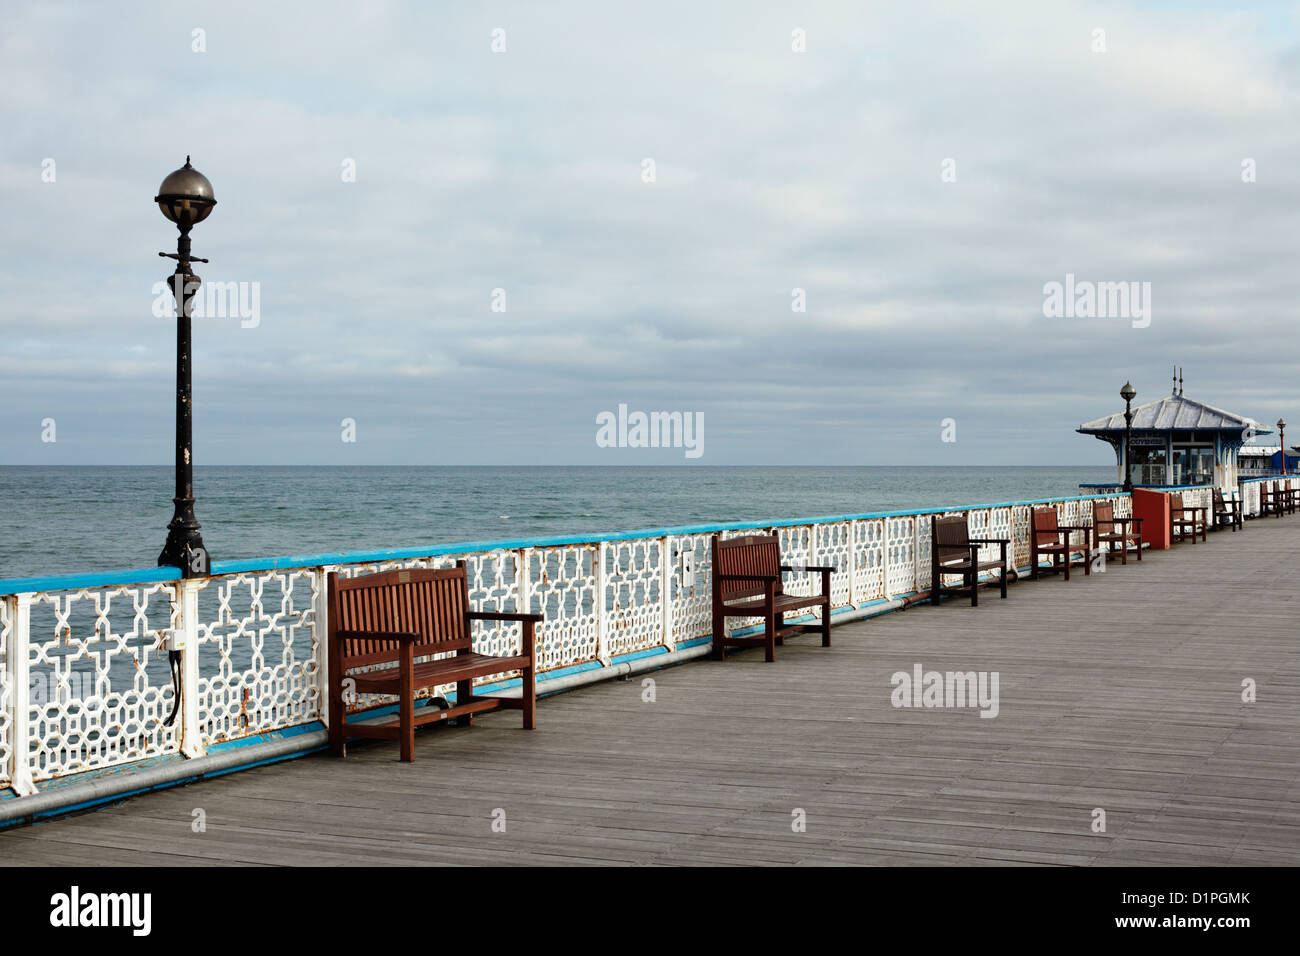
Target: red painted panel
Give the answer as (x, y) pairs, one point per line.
(1153, 508)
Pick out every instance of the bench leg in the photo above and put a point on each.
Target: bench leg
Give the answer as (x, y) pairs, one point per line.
(338, 722)
(1033, 563)
(1003, 574)
(406, 708)
(529, 691)
(1087, 561)
(780, 625)
(973, 581)
(826, 624)
(769, 625)
(464, 691)
(719, 636)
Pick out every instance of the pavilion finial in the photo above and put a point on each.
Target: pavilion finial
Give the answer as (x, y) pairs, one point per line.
(1175, 389)
(1180, 380)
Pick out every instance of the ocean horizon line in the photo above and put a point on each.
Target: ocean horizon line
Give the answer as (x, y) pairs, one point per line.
(664, 467)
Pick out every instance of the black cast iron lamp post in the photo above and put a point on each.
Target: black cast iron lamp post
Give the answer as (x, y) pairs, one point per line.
(185, 197)
(1281, 437)
(1128, 393)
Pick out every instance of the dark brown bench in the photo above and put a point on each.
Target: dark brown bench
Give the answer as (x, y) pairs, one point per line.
(383, 629)
(1109, 530)
(1277, 502)
(1048, 537)
(1227, 510)
(954, 552)
(747, 583)
(1290, 496)
(1180, 525)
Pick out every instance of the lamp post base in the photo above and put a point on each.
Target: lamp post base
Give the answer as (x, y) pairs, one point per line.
(184, 548)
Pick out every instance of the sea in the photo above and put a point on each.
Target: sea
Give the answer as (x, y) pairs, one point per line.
(65, 520)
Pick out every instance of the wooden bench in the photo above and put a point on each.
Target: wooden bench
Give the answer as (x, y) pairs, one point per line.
(380, 625)
(1104, 525)
(1277, 502)
(1180, 524)
(1227, 510)
(954, 552)
(747, 583)
(1290, 496)
(1048, 537)
(1269, 502)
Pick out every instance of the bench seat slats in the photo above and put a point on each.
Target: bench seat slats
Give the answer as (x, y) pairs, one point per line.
(444, 670)
(783, 602)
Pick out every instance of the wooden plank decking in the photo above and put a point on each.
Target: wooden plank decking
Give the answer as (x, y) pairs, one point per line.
(1120, 691)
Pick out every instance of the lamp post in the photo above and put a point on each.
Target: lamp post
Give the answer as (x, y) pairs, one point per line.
(1281, 437)
(185, 197)
(1128, 393)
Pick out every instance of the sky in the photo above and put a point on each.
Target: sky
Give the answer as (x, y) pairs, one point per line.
(469, 254)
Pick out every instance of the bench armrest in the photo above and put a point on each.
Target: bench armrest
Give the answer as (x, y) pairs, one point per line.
(808, 567)
(1072, 527)
(747, 577)
(989, 540)
(408, 636)
(528, 634)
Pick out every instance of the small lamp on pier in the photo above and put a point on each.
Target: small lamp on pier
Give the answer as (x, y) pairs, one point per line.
(1128, 393)
(1281, 437)
(185, 197)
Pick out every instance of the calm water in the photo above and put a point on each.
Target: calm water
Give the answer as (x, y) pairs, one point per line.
(65, 520)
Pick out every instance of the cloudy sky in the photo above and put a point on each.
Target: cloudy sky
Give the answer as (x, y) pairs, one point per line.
(920, 171)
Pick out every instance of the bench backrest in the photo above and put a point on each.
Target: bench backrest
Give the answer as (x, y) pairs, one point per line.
(951, 538)
(1045, 526)
(754, 554)
(1218, 500)
(431, 603)
(1175, 501)
(1103, 516)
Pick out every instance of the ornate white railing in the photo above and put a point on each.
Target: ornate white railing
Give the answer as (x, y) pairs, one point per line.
(85, 684)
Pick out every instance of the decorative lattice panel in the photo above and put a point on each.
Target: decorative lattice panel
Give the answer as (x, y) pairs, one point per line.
(258, 653)
(869, 560)
(493, 578)
(99, 685)
(901, 555)
(692, 596)
(6, 691)
(563, 588)
(1020, 534)
(633, 586)
(834, 542)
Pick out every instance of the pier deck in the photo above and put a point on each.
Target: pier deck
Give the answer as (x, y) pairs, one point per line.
(1119, 691)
